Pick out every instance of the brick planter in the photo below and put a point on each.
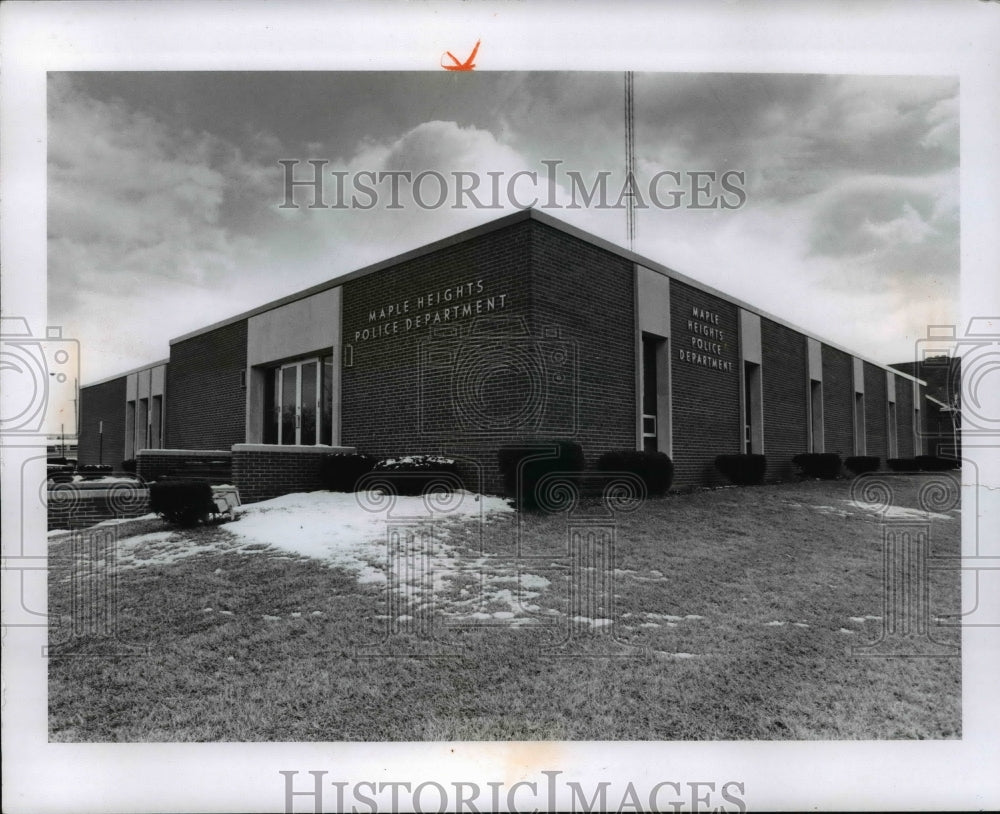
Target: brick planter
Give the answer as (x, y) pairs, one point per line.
(263, 471)
(78, 505)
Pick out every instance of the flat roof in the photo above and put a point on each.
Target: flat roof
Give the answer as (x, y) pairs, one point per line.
(501, 223)
(139, 369)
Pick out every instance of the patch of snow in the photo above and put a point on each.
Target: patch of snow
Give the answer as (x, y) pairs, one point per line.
(119, 520)
(649, 624)
(858, 620)
(775, 623)
(268, 618)
(845, 630)
(800, 624)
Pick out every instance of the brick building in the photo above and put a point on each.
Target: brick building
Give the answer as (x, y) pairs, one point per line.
(524, 328)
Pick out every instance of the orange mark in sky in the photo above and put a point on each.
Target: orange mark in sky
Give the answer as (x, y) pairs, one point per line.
(468, 65)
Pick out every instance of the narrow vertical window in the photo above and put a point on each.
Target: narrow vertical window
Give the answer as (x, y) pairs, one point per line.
(859, 424)
(753, 430)
(816, 415)
(649, 405)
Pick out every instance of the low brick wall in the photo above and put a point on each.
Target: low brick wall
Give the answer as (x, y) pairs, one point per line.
(77, 505)
(263, 471)
(213, 464)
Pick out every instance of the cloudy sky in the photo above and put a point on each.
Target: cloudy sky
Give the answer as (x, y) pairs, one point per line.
(165, 189)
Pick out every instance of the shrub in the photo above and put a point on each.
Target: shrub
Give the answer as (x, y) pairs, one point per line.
(860, 464)
(182, 502)
(932, 463)
(901, 464)
(654, 468)
(92, 471)
(524, 465)
(129, 466)
(340, 471)
(59, 473)
(825, 465)
(743, 470)
(416, 474)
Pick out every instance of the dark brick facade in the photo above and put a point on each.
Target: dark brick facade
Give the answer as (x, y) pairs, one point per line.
(206, 403)
(263, 473)
(588, 294)
(784, 378)
(838, 402)
(516, 332)
(876, 410)
(102, 402)
(705, 402)
(556, 361)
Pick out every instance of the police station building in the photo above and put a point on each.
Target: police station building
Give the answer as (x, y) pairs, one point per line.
(523, 328)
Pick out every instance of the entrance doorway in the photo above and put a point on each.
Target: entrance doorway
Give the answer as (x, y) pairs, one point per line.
(300, 399)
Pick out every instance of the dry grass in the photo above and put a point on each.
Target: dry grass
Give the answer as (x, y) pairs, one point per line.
(233, 644)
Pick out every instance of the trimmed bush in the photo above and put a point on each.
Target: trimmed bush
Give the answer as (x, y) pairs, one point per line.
(523, 467)
(825, 465)
(901, 464)
(743, 470)
(860, 464)
(932, 463)
(416, 474)
(93, 471)
(129, 466)
(654, 468)
(59, 473)
(182, 502)
(341, 470)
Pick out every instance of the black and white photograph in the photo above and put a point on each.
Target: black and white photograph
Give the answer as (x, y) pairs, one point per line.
(448, 424)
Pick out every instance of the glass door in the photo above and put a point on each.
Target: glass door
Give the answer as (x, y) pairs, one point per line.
(296, 389)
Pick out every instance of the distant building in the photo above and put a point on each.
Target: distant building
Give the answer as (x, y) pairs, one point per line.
(943, 400)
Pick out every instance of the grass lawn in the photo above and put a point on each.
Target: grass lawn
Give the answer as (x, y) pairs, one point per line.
(731, 614)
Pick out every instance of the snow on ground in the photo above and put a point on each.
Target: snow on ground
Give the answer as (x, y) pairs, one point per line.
(352, 531)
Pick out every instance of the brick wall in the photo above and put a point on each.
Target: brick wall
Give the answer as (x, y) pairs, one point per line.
(71, 506)
(415, 388)
(206, 406)
(102, 402)
(216, 465)
(876, 409)
(784, 379)
(261, 472)
(904, 417)
(588, 294)
(838, 402)
(705, 402)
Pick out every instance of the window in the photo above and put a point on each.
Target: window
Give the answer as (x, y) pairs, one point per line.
(753, 432)
(859, 424)
(649, 441)
(129, 430)
(156, 423)
(299, 403)
(815, 416)
(891, 430)
(142, 425)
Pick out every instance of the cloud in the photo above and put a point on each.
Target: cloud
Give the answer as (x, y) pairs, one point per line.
(165, 215)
